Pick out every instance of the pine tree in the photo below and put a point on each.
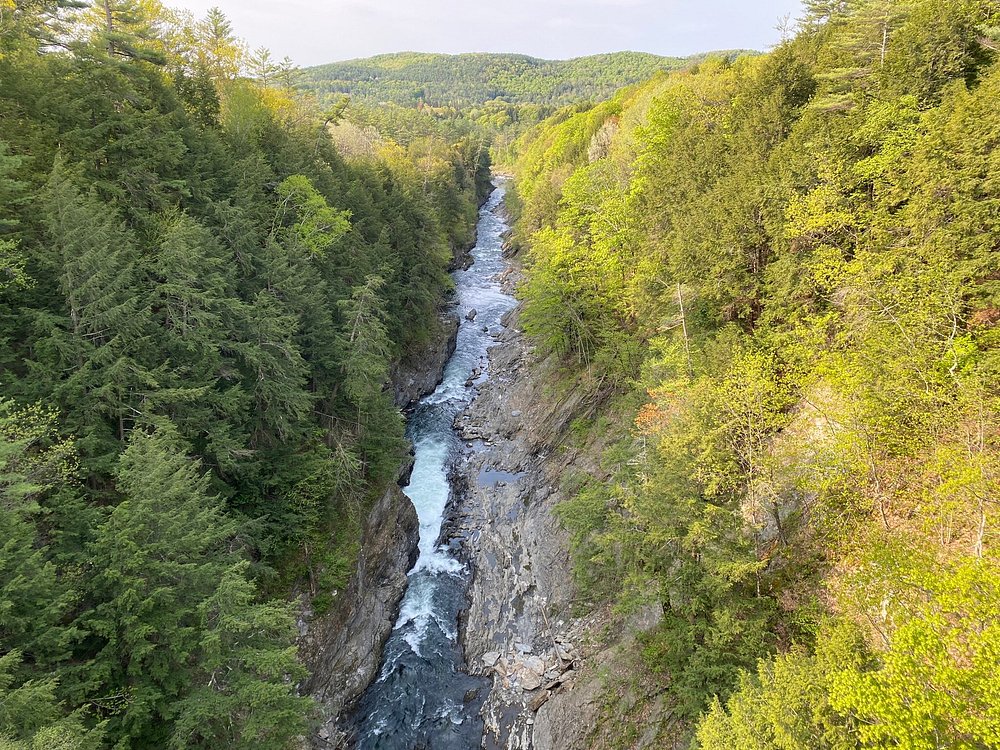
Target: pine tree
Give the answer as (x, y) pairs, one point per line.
(127, 29)
(197, 313)
(220, 52)
(13, 273)
(182, 636)
(244, 694)
(262, 67)
(31, 717)
(274, 371)
(364, 343)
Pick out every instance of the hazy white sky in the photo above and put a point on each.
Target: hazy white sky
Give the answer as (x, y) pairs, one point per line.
(318, 31)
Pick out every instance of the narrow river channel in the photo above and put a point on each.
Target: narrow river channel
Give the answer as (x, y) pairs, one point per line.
(422, 697)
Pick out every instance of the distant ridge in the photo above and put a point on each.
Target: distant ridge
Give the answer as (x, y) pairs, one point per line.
(471, 79)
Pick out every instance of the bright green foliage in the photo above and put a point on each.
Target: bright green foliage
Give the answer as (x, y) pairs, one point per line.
(569, 304)
(785, 704)
(317, 225)
(34, 463)
(935, 687)
(12, 271)
(937, 683)
(12, 263)
(30, 715)
(792, 260)
(781, 707)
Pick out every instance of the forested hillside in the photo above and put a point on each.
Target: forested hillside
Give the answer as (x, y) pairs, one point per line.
(778, 279)
(201, 300)
(771, 284)
(473, 79)
(496, 95)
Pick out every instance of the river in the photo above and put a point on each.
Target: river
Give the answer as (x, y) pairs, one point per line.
(422, 697)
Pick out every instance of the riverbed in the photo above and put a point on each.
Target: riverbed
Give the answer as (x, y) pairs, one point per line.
(423, 696)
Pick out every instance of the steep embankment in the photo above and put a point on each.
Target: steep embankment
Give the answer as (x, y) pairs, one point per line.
(784, 272)
(344, 647)
(547, 662)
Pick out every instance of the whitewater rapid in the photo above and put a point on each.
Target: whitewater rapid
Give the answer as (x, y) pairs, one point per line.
(422, 697)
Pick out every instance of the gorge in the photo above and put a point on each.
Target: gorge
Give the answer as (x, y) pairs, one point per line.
(421, 696)
(483, 401)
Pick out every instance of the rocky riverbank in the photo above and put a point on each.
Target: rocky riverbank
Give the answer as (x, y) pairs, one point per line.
(549, 667)
(519, 627)
(343, 648)
(419, 374)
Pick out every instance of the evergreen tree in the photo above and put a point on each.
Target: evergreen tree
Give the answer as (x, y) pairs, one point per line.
(244, 696)
(174, 241)
(31, 717)
(175, 609)
(33, 462)
(96, 343)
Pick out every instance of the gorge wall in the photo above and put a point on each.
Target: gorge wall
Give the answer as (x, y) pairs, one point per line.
(549, 663)
(343, 647)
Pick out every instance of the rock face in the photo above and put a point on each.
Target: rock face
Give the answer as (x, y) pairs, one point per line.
(420, 373)
(548, 667)
(343, 648)
(519, 625)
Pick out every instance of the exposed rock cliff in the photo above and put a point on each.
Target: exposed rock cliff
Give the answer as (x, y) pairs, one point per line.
(420, 373)
(550, 669)
(343, 648)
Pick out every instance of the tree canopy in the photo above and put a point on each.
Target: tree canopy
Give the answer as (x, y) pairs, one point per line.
(202, 298)
(776, 275)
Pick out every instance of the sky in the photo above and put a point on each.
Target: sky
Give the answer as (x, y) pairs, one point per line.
(312, 32)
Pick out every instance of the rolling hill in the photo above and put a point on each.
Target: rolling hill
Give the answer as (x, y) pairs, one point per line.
(410, 78)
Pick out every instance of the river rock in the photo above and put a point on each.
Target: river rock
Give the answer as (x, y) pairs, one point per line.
(565, 653)
(530, 672)
(343, 647)
(420, 373)
(521, 596)
(534, 663)
(490, 658)
(471, 315)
